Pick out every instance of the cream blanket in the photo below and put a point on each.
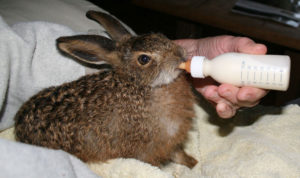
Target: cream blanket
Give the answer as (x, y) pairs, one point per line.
(258, 142)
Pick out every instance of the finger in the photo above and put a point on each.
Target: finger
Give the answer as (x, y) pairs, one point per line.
(225, 110)
(225, 107)
(246, 45)
(242, 97)
(229, 92)
(250, 96)
(211, 94)
(207, 88)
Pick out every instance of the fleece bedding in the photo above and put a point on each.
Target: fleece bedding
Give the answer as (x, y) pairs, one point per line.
(259, 142)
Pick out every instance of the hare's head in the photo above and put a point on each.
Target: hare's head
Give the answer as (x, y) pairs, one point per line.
(149, 59)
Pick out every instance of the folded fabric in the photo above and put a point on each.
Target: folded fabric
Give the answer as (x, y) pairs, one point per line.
(31, 62)
(26, 161)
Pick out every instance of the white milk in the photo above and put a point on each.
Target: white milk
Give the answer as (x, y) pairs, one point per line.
(261, 71)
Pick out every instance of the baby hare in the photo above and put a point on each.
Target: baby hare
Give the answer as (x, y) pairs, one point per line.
(141, 108)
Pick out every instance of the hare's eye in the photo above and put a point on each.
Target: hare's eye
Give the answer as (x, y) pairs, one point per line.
(144, 59)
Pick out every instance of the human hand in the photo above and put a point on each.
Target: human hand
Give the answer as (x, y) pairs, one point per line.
(225, 97)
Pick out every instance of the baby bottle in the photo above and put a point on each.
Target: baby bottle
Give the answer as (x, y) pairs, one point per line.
(261, 71)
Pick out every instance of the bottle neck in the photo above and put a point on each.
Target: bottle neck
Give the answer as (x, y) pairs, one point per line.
(197, 66)
(200, 67)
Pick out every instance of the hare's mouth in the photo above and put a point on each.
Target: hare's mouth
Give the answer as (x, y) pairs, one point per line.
(165, 77)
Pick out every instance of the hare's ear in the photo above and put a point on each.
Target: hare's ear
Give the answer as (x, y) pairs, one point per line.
(114, 28)
(90, 49)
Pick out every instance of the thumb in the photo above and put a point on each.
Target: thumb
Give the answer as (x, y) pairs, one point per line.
(246, 45)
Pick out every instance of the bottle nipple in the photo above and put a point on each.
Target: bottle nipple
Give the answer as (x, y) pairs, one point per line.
(186, 66)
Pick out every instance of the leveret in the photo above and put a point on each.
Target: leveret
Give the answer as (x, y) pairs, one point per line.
(141, 108)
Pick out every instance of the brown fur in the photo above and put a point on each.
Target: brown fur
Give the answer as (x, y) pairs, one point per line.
(131, 111)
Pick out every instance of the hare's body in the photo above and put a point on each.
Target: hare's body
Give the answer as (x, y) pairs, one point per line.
(144, 123)
(142, 108)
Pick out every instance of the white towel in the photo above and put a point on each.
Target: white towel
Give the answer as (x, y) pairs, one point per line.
(261, 142)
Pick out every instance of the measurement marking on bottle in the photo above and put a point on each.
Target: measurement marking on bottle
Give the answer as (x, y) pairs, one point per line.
(241, 75)
(254, 75)
(261, 74)
(247, 75)
(242, 70)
